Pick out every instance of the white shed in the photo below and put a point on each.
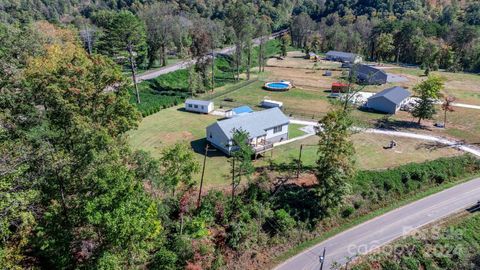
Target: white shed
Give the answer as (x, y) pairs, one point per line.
(201, 106)
(268, 103)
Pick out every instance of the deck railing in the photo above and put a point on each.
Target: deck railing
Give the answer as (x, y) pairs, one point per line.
(262, 148)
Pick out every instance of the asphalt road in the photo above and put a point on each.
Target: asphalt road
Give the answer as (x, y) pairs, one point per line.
(379, 231)
(186, 63)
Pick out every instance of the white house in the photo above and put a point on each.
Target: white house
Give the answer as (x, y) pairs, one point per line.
(263, 127)
(267, 103)
(200, 106)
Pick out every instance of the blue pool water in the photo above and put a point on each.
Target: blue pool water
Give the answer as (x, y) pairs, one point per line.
(278, 85)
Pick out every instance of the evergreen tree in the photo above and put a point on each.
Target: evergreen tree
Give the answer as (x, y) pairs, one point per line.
(123, 33)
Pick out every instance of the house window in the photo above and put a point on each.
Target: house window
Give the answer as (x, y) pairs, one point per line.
(277, 129)
(189, 105)
(195, 106)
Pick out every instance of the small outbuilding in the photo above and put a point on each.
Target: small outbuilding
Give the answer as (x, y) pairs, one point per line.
(311, 56)
(268, 103)
(343, 57)
(389, 100)
(369, 75)
(200, 106)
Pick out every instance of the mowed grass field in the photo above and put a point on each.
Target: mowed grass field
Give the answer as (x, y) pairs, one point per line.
(175, 125)
(309, 100)
(464, 86)
(370, 151)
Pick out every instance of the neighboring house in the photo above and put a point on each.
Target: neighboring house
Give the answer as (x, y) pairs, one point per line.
(201, 106)
(343, 57)
(263, 127)
(369, 75)
(238, 111)
(268, 103)
(389, 100)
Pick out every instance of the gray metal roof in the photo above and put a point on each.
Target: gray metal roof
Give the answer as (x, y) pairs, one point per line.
(342, 54)
(255, 123)
(394, 94)
(198, 102)
(368, 70)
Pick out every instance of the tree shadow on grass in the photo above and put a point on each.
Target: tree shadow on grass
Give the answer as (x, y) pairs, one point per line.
(387, 122)
(431, 146)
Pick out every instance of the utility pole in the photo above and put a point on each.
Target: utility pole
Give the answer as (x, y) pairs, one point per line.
(299, 161)
(299, 167)
(201, 179)
(322, 259)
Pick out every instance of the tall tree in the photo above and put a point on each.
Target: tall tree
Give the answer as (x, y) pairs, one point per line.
(384, 46)
(335, 163)
(123, 33)
(241, 161)
(285, 40)
(301, 28)
(427, 91)
(159, 21)
(178, 165)
(240, 18)
(262, 32)
(92, 211)
(201, 45)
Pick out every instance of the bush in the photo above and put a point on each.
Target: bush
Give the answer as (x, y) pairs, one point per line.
(347, 211)
(282, 220)
(236, 234)
(164, 259)
(376, 185)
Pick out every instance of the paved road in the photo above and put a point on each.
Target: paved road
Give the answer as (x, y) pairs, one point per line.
(186, 63)
(381, 230)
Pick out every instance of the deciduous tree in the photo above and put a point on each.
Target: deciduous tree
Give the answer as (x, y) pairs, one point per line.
(178, 165)
(335, 163)
(427, 91)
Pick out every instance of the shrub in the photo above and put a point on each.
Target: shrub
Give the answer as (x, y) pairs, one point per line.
(347, 211)
(409, 263)
(164, 259)
(282, 220)
(376, 185)
(236, 234)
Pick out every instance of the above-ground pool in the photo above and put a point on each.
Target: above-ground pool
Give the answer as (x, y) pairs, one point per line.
(278, 86)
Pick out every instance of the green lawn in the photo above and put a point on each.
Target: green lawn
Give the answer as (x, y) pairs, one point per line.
(297, 101)
(464, 86)
(175, 125)
(294, 131)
